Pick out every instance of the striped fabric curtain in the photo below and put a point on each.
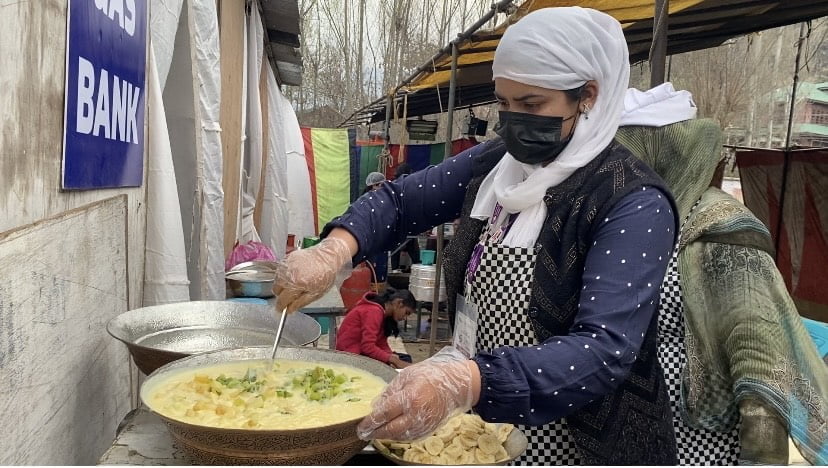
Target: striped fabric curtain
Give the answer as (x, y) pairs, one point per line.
(333, 164)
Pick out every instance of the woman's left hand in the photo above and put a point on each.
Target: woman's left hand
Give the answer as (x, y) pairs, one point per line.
(398, 363)
(423, 397)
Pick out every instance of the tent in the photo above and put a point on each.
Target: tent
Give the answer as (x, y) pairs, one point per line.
(800, 227)
(459, 75)
(417, 156)
(333, 168)
(337, 168)
(693, 25)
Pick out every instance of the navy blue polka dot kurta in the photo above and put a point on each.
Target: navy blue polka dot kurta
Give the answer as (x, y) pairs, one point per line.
(623, 272)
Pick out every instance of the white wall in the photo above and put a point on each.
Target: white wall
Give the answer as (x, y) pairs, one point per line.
(78, 265)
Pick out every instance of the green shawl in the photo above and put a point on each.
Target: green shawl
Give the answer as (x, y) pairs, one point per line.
(747, 349)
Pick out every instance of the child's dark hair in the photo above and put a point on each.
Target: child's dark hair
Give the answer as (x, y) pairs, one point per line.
(390, 326)
(391, 294)
(402, 169)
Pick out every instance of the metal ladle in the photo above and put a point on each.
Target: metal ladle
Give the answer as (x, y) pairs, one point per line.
(279, 334)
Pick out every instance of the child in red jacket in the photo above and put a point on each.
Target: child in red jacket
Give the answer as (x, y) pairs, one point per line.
(366, 327)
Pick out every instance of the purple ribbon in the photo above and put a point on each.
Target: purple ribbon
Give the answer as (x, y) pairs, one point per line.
(474, 263)
(477, 253)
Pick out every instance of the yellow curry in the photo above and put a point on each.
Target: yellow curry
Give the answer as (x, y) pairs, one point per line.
(265, 395)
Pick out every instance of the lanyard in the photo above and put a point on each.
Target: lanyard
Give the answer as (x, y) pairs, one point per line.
(496, 230)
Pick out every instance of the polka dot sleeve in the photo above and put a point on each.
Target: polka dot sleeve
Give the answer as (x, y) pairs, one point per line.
(381, 220)
(624, 268)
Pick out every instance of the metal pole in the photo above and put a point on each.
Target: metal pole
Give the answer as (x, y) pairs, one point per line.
(435, 305)
(658, 49)
(787, 152)
(452, 90)
(387, 126)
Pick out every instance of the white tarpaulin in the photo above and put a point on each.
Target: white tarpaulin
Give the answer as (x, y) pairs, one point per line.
(274, 224)
(163, 23)
(252, 167)
(300, 205)
(165, 272)
(204, 38)
(180, 106)
(185, 159)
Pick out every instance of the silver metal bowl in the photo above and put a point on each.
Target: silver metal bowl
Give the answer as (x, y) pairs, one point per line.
(326, 445)
(158, 335)
(256, 265)
(249, 283)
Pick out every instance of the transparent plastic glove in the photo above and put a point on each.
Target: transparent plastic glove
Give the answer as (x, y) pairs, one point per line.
(305, 275)
(421, 398)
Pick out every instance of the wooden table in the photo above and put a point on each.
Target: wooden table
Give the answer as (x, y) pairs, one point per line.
(143, 439)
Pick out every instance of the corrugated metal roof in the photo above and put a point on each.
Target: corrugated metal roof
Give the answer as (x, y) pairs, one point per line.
(818, 92)
(282, 24)
(811, 129)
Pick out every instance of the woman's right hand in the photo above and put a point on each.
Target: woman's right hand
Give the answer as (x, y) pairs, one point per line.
(422, 397)
(306, 274)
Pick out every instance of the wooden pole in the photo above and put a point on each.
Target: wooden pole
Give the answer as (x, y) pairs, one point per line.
(387, 126)
(658, 49)
(231, 41)
(787, 151)
(435, 307)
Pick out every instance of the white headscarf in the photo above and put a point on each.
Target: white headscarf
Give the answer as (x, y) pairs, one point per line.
(657, 107)
(556, 48)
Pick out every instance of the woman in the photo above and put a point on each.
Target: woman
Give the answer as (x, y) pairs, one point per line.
(366, 328)
(563, 241)
(728, 327)
(373, 182)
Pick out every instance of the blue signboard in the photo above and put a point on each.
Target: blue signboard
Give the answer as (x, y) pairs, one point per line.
(106, 50)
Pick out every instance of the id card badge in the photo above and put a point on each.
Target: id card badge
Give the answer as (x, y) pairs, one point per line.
(465, 326)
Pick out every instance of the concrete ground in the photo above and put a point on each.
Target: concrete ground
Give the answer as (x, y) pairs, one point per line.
(418, 351)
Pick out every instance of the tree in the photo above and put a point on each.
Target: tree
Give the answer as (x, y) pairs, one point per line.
(356, 51)
(744, 83)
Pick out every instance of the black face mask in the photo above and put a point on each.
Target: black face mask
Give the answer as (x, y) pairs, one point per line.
(530, 138)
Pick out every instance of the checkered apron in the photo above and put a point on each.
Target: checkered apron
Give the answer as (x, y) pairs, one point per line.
(695, 446)
(501, 289)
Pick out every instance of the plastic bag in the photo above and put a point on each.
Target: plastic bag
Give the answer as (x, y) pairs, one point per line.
(249, 252)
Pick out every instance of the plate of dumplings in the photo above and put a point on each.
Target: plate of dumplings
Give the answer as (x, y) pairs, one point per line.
(464, 439)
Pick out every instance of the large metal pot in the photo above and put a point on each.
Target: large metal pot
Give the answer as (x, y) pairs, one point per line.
(158, 335)
(327, 445)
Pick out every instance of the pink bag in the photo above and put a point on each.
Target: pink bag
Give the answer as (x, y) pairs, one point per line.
(247, 253)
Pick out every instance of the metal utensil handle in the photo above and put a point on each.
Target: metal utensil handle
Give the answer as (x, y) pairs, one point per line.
(279, 333)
